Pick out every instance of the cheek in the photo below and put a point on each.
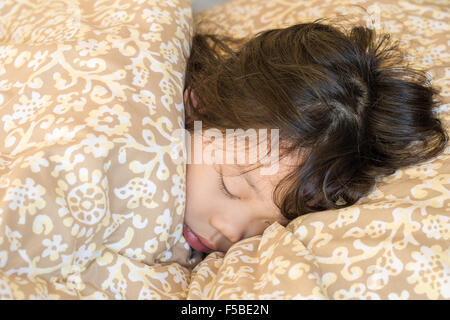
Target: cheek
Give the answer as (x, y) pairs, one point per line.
(201, 194)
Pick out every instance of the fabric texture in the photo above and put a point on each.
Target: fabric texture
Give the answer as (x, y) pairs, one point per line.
(392, 244)
(92, 203)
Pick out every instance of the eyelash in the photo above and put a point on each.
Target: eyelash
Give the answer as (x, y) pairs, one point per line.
(224, 189)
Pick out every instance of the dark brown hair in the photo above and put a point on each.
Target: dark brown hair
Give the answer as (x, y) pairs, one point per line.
(348, 97)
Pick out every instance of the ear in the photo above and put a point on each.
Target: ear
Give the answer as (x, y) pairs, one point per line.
(195, 102)
(193, 98)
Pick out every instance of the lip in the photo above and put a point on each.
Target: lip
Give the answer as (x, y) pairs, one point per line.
(195, 241)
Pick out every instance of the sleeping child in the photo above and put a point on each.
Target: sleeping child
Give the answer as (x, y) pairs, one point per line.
(344, 106)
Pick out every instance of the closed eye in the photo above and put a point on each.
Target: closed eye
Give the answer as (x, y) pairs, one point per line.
(224, 188)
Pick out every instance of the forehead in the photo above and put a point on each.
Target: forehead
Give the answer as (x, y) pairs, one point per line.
(280, 168)
(258, 160)
(263, 182)
(245, 148)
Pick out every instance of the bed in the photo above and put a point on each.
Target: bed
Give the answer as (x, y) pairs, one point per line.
(92, 201)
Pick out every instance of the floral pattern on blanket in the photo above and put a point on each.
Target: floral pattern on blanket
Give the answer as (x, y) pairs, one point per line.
(392, 244)
(92, 206)
(92, 203)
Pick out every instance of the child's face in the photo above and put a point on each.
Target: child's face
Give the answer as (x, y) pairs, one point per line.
(213, 220)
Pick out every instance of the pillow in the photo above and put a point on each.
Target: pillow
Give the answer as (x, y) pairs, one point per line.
(92, 202)
(392, 244)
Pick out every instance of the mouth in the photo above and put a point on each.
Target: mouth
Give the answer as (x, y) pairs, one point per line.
(195, 241)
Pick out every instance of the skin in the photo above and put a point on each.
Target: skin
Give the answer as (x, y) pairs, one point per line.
(220, 220)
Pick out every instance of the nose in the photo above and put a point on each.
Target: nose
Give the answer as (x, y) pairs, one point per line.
(229, 226)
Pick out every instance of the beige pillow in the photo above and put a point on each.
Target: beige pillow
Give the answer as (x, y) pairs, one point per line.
(92, 203)
(394, 243)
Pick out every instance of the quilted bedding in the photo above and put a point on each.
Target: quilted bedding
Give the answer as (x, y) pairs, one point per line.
(92, 204)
